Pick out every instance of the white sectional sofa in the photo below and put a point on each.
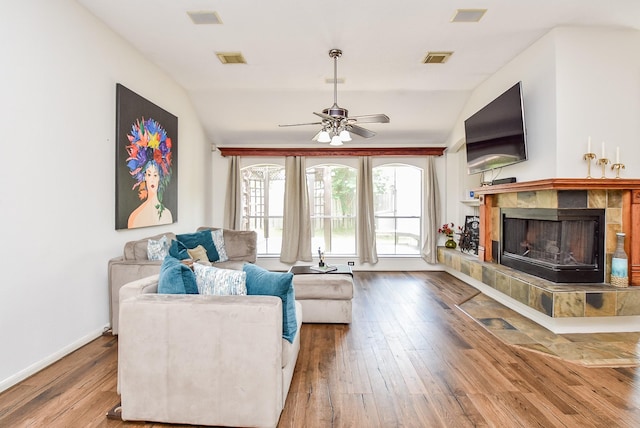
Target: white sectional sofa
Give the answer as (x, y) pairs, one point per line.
(133, 264)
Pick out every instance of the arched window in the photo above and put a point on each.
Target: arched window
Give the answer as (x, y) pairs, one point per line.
(332, 198)
(263, 201)
(398, 209)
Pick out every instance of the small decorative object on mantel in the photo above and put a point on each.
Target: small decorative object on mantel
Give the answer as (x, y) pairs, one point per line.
(603, 162)
(321, 258)
(617, 166)
(589, 156)
(447, 230)
(619, 264)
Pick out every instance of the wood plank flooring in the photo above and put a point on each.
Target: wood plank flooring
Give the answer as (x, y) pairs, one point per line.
(410, 358)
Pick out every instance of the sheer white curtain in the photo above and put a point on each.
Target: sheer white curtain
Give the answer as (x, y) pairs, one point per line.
(432, 213)
(296, 222)
(233, 198)
(366, 233)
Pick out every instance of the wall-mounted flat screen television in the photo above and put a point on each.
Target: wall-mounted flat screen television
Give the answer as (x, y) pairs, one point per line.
(495, 135)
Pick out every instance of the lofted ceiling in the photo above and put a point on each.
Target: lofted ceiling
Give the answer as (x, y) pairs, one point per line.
(286, 44)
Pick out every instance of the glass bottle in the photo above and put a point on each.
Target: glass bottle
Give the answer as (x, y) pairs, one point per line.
(619, 264)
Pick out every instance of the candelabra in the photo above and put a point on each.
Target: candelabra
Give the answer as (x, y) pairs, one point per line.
(617, 166)
(603, 162)
(589, 157)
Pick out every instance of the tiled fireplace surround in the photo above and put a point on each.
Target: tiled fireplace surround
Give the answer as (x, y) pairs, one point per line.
(560, 307)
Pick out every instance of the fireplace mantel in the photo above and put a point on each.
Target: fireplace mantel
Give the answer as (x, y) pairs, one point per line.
(630, 209)
(562, 184)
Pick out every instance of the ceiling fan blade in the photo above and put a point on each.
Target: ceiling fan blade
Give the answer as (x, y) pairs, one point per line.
(371, 118)
(315, 137)
(324, 116)
(300, 124)
(359, 130)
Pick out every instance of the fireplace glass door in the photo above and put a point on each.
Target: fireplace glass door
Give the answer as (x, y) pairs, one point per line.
(555, 244)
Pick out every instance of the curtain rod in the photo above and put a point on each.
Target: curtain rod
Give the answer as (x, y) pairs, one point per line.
(329, 152)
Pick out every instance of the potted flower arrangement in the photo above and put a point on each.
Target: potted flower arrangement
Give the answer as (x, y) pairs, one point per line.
(447, 229)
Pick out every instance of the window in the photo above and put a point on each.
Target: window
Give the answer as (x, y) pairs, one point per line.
(332, 196)
(332, 190)
(398, 209)
(263, 201)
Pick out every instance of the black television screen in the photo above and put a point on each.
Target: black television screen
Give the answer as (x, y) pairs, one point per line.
(495, 135)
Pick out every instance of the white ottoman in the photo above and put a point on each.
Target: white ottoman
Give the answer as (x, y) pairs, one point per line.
(325, 297)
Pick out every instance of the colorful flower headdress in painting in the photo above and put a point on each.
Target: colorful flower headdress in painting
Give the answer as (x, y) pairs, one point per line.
(149, 146)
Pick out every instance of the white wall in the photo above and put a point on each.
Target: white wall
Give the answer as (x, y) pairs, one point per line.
(536, 69)
(576, 83)
(57, 181)
(598, 87)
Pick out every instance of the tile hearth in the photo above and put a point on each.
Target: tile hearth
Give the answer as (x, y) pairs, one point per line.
(589, 350)
(551, 299)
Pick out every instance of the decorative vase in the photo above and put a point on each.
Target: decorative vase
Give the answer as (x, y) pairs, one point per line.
(619, 264)
(450, 242)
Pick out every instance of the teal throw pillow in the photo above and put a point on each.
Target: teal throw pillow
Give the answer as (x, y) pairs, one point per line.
(176, 278)
(204, 238)
(178, 250)
(262, 282)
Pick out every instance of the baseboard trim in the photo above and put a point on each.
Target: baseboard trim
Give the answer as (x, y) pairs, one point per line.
(45, 362)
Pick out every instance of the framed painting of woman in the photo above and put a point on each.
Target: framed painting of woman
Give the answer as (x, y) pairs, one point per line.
(146, 162)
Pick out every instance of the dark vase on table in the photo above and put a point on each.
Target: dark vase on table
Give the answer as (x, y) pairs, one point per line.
(450, 242)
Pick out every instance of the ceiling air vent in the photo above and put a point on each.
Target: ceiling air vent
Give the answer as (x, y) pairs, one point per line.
(231, 58)
(468, 15)
(204, 17)
(436, 57)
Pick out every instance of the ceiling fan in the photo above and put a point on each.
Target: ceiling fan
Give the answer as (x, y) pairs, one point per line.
(336, 123)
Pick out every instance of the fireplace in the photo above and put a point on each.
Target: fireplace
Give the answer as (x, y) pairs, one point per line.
(560, 245)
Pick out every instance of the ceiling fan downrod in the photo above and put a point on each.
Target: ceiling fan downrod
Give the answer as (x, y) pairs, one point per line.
(335, 111)
(335, 54)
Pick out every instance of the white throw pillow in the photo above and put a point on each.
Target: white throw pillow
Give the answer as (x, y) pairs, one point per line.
(220, 282)
(157, 249)
(218, 240)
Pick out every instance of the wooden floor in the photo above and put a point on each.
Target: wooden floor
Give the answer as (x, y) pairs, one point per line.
(410, 358)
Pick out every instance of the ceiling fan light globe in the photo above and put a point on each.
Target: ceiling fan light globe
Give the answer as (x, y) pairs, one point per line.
(324, 137)
(345, 136)
(335, 141)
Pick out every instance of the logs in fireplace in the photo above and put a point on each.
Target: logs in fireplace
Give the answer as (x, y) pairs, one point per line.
(560, 245)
